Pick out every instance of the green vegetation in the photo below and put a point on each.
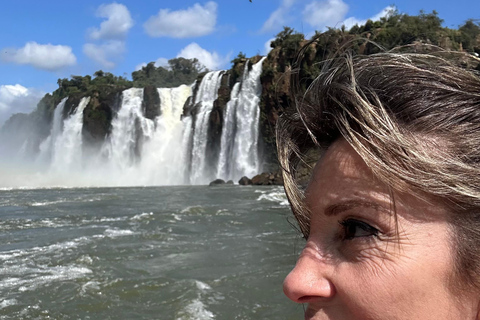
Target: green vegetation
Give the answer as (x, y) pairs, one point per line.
(179, 71)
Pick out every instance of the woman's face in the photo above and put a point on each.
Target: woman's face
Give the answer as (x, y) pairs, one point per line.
(360, 262)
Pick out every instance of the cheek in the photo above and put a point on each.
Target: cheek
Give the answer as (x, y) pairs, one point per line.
(401, 280)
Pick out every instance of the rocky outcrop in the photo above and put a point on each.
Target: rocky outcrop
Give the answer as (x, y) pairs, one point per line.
(215, 121)
(97, 117)
(267, 179)
(217, 182)
(244, 181)
(151, 102)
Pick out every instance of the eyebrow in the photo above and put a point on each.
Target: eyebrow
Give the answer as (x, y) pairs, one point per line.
(336, 208)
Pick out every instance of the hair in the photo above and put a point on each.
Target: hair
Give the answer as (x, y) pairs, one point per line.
(415, 121)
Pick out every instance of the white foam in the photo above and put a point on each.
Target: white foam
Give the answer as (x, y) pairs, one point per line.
(7, 303)
(47, 203)
(40, 275)
(275, 195)
(90, 286)
(28, 253)
(193, 209)
(202, 286)
(142, 216)
(196, 310)
(118, 233)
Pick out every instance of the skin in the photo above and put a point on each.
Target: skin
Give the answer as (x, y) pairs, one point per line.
(359, 263)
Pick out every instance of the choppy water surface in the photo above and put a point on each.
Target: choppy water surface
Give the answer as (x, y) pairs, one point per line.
(146, 253)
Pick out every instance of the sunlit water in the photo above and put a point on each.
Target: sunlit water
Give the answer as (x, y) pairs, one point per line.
(146, 253)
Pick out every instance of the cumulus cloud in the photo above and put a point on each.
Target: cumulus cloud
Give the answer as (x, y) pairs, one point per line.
(117, 24)
(332, 13)
(278, 18)
(211, 60)
(110, 44)
(320, 14)
(17, 98)
(351, 21)
(160, 62)
(267, 46)
(195, 21)
(105, 54)
(41, 56)
(140, 66)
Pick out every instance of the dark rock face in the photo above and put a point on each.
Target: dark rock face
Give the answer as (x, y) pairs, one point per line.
(215, 122)
(229, 182)
(98, 115)
(268, 178)
(244, 181)
(151, 102)
(217, 182)
(275, 96)
(71, 105)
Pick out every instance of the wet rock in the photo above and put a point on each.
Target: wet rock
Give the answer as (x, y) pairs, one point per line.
(262, 179)
(244, 181)
(217, 182)
(268, 178)
(151, 102)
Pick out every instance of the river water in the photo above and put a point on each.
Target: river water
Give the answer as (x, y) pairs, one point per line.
(186, 252)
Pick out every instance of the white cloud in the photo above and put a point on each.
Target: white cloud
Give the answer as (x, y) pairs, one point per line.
(17, 98)
(351, 21)
(320, 14)
(117, 24)
(161, 62)
(140, 66)
(267, 46)
(111, 35)
(211, 60)
(41, 56)
(195, 21)
(278, 18)
(105, 54)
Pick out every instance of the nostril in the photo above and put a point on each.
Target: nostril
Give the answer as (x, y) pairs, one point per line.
(306, 299)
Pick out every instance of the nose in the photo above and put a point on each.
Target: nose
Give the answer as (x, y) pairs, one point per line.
(310, 280)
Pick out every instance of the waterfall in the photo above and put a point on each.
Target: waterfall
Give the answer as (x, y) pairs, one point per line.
(127, 128)
(239, 147)
(137, 151)
(228, 133)
(162, 153)
(47, 146)
(206, 95)
(67, 145)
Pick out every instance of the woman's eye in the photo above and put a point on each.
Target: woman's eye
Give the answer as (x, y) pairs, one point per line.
(353, 228)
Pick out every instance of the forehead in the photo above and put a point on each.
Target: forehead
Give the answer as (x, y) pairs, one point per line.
(341, 172)
(341, 175)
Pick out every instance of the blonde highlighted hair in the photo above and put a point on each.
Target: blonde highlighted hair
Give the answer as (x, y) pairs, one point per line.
(415, 121)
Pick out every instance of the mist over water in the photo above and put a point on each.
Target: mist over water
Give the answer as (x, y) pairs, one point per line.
(170, 149)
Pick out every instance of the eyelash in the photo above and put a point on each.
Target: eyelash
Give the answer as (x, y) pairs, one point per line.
(352, 226)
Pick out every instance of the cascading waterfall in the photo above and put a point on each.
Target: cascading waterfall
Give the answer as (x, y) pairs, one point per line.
(67, 151)
(168, 150)
(162, 151)
(239, 148)
(127, 127)
(47, 146)
(142, 151)
(228, 133)
(206, 96)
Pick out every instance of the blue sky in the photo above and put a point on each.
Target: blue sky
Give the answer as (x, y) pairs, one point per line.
(42, 41)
